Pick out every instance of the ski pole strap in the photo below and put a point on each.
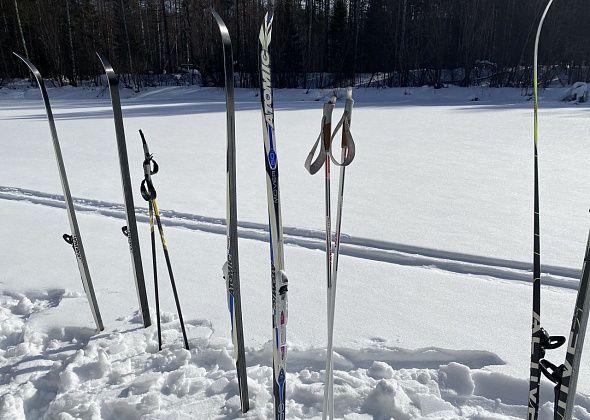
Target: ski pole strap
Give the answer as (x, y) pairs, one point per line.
(347, 141)
(148, 192)
(552, 372)
(551, 342)
(313, 165)
(325, 137)
(125, 231)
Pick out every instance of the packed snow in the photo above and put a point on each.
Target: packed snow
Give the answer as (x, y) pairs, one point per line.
(434, 290)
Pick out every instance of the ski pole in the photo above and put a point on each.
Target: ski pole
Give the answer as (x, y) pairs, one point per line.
(347, 155)
(313, 166)
(148, 192)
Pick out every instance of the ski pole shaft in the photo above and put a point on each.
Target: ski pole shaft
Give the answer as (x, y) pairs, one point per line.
(170, 273)
(155, 270)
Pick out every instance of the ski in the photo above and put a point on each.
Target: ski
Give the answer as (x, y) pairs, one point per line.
(565, 376)
(148, 192)
(131, 229)
(347, 155)
(74, 238)
(231, 269)
(279, 281)
(540, 339)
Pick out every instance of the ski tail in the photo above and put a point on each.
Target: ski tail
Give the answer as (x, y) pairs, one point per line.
(279, 281)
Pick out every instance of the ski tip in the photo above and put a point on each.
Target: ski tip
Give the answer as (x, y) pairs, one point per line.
(268, 18)
(332, 100)
(349, 92)
(216, 16)
(27, 62)
(104, 61)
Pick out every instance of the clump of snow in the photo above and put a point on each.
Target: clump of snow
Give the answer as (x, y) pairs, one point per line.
(23, 307)
(380, 370)
(388, 400)
(457, 377)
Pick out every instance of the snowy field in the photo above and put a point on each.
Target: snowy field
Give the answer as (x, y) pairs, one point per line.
(434, 294)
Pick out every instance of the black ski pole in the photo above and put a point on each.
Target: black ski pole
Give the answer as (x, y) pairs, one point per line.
(148, 192)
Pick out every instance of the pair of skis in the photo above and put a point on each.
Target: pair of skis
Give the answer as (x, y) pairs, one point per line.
(75, 238)
(323, 158)
(279, 281)
(564, 376)
(149, 194)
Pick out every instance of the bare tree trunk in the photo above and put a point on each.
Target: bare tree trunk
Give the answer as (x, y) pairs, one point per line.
(143, 41)
(20, 28)
(133, 75)
(74, 73)
(166, 40)
(159, 33)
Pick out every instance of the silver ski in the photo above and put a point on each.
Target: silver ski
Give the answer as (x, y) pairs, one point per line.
(74, 239)
(279, 281)
(131, 229)
(231, 268)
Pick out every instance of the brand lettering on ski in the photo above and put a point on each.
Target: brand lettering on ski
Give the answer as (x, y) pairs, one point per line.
(266, 86)
(230, 279)
(275, 186)
(76, 246)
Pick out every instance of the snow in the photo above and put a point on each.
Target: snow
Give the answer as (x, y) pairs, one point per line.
(434, 294)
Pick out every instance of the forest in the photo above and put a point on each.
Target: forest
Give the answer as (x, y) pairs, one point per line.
(316, 43)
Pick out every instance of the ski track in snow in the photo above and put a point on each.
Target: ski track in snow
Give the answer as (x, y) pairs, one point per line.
(358, 247)
(72, 372)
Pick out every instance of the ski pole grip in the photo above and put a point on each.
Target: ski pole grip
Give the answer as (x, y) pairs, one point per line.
(327, 123)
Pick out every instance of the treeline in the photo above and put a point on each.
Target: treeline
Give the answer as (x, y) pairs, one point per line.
(316, 43)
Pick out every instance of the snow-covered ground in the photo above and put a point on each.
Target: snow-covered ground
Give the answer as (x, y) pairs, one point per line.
(434, 294)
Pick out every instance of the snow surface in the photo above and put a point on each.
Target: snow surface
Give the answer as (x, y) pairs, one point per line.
(434, 295)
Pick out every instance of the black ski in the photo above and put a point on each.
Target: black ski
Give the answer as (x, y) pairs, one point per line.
(540, 339)
(231, 268)
(131, 229)
(74, 238)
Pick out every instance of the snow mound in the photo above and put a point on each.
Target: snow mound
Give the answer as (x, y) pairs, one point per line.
(578, 92)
